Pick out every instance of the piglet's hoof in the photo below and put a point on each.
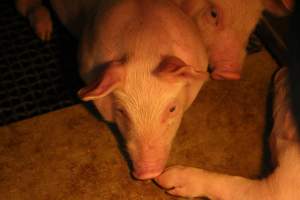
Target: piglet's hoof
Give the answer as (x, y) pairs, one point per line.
(183, 181)
(40, 20)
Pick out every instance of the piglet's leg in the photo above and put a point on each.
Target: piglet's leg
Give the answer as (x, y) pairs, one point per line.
(284, 132)
(38, 16)
(284, 124)
(194, 182)
(284, 143)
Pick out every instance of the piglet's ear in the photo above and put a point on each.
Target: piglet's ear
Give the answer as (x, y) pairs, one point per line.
(279, 7)
(173, 68)
(110, 79)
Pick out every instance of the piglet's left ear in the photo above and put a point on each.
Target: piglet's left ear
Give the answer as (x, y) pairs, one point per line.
(173, 68)
(109, 80)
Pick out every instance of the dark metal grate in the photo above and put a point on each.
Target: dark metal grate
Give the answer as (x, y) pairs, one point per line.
(33, 75)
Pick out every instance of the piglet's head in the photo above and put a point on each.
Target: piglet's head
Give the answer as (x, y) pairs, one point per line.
(147, 104)
(225, 27)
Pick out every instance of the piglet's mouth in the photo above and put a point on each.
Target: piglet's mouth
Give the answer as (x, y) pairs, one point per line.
(146, 172)
(225, 73)
(146, 175)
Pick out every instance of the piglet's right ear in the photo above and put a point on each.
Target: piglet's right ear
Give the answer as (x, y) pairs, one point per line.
(109, 80)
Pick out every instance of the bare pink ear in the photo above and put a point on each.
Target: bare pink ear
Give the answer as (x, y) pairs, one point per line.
(109, 80)
(173, 68)
(279, 7)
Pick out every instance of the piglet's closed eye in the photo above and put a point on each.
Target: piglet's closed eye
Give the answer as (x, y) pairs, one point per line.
(172, 69)
(109, 80)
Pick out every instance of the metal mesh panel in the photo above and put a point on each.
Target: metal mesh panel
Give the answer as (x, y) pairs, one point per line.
(34, 77)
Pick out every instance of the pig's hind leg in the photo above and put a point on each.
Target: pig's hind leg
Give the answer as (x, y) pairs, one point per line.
(38, 15)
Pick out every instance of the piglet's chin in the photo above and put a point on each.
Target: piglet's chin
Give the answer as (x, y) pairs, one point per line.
(146, 175)
(226, 73)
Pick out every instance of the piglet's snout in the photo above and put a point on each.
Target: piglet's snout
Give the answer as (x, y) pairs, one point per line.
(144, 171)
(148, 160)
(226, 70)
(227, 60)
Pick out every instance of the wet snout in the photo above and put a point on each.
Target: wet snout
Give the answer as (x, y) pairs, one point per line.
(226, 58)
(227, 65)
(148, 160)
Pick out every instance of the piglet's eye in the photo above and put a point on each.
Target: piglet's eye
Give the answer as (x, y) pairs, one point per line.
(214, 13)
(170, 112)
(213, 16)
(120, 111)
(172, 109)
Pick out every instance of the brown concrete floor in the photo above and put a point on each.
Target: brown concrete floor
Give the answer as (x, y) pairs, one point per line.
(70, 155)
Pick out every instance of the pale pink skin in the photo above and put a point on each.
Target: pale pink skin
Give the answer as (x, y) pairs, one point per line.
(282, 184)
(225, 27)
(137, 40)
(153, 63)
